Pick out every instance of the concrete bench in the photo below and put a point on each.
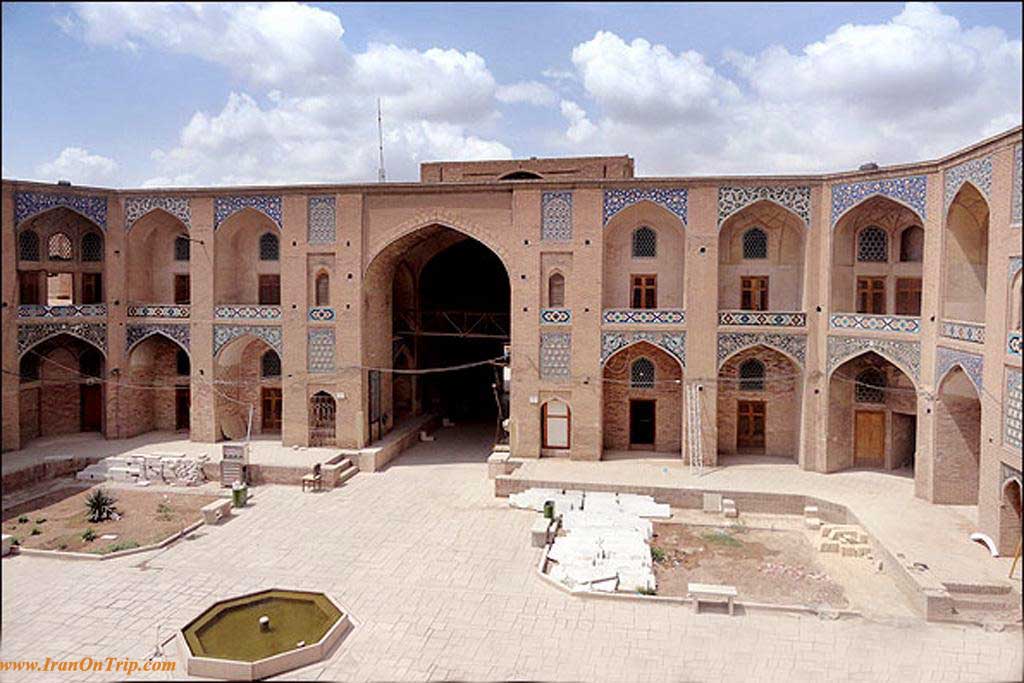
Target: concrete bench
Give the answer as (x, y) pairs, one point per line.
(216, 511)
(540, 532)
(708, 592)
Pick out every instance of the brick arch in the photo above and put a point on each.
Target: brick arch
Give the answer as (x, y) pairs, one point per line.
(30, 205)
(151, 333)
(654, 342)
(228, 217)
(71, 332)
(903, 191)
(899, 364)
(622, 217)
(445, 219)
(765, 345)
(157, 210)
(800, 214)
(963, 368)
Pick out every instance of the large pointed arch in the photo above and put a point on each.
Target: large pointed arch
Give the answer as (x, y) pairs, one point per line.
(441, 218)
(31, 336)
(904, 355)
(136, 334)
(673, 343)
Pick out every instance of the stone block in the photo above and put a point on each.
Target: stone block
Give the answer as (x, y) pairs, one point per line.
(497, 463)
(812, 522)
(539, 532)
(828, 547)
(5, 544)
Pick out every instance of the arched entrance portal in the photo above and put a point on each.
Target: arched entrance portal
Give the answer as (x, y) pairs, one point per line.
(872, 420)
(1010, 516)
(157, 395)
(248, 382)
(643, 400)
(449, 306)
(61, 388)
(322, 413)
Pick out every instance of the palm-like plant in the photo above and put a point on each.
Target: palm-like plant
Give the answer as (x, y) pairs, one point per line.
(100, 505)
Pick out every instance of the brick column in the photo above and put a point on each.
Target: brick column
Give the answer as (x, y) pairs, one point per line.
(585, 300)
(294, 303)
(817, 294)
(10, 382)
(116, 295)
(205, 425)
(931, 314)
(351, 415)
(702, 313)
(524, 320)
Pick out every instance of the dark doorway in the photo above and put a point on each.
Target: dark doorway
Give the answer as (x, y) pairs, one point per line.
(182, 406)
(750, 426)
(322, 411)
(904, 439)
(463, 318)
(271, 404)
(91, 405)
(641, 423)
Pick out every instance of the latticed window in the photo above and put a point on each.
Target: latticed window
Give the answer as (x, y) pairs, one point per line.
(28, 246)
(873, 245)
(755, 244)
(270, 248)
(182, 248)
(556, 291)
(752, 375)
(59, 248)
(270, 365)
(92, 247)
(870, 387)
(641, 374)
(645, 243)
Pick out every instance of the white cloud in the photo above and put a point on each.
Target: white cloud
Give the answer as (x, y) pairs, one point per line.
(915, 87)
(527, 92)
(308, 111)
(80, 167)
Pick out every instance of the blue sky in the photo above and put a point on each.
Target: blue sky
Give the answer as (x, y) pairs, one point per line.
(118, 94)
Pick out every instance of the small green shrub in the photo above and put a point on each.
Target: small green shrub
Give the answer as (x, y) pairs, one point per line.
(100, 506)
(62, 546)
(15, 541)
(646, 590)
(23, 520)
(657, 554)
(41, 520)
(89, 536)
(164, 512)
(36, 531)
(117, 547)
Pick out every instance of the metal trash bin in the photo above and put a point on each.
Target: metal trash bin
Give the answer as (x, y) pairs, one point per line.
(239, 494)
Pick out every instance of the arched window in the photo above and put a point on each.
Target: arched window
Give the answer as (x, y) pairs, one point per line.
(323, 290)
(59, 248)
(870, 387)
(873, 245)
(645, 243)
(555, 424)
(1016, 303)
(755, 244)
(641, 374)
(182, 248)
(520, 175)
(912, 245)
(28, 246)
(556, 291)
(270, 248)
(92, 247)
(270, 365)
(752, 375)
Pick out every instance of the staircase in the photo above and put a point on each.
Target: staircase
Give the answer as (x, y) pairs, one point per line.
(337, 473)
(983, 603)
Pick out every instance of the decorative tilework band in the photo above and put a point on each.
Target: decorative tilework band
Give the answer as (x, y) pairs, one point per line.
(29, 204)
(225, 207)
(911, 191)
(946, 359)
(875, 323)
(762, 318)
(178, 333)
(223, 334)
(66, 311)
(137, 207)
(321, 314)
(159, 311)
(243, 312)
(968, 332)
(556, 316)
(976, 171)
(1012, 409)
(732, 200)
(672, 199)
(556, 216)
(904, 354)
(792, 345)
(31, 334)
(672, 342)
(643, 316)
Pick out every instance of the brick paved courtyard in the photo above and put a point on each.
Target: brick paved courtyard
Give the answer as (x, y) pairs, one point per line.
(439, 577)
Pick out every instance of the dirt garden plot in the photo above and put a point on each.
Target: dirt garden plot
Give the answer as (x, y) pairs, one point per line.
(775, 567)
(58, 519)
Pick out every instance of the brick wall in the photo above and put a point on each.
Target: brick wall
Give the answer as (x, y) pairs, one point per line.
(59, 406)
(956, 461)
(153, 363)
(667, 394)
(782, 398)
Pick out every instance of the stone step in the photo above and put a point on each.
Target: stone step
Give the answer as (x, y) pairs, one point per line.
(858, 550)
(345, 475)
(956, 589)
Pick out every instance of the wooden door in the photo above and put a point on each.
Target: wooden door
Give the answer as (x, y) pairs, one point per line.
(869, 438)
(750, 426)
(182, 289)
(91, 407)
(641, 423)
(754, 293)
(182, 406)
(271, 403)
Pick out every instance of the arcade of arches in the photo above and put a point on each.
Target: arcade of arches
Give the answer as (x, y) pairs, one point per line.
(844, 298)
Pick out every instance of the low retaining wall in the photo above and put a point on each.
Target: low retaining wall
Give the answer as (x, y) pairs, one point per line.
(52, 467)
(928, 596)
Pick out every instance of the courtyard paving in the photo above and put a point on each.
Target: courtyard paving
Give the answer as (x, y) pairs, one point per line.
(439, 578)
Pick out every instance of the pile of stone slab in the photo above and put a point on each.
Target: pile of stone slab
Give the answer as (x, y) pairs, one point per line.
(605, 541)
(172, 468)
(848, 540)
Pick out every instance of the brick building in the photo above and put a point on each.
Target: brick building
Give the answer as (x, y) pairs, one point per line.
(862, 319)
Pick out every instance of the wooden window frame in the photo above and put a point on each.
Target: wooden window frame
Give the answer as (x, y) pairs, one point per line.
(269, 284)
(643, 291)
(754, 292)
(545, 417)
(187, 298)
(902, 292)
(867, 291)
(92, 288)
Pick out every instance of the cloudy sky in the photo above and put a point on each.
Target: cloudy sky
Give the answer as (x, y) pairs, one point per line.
(188, 94)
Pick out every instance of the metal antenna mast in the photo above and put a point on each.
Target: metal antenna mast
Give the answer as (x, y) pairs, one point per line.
(381, 177)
